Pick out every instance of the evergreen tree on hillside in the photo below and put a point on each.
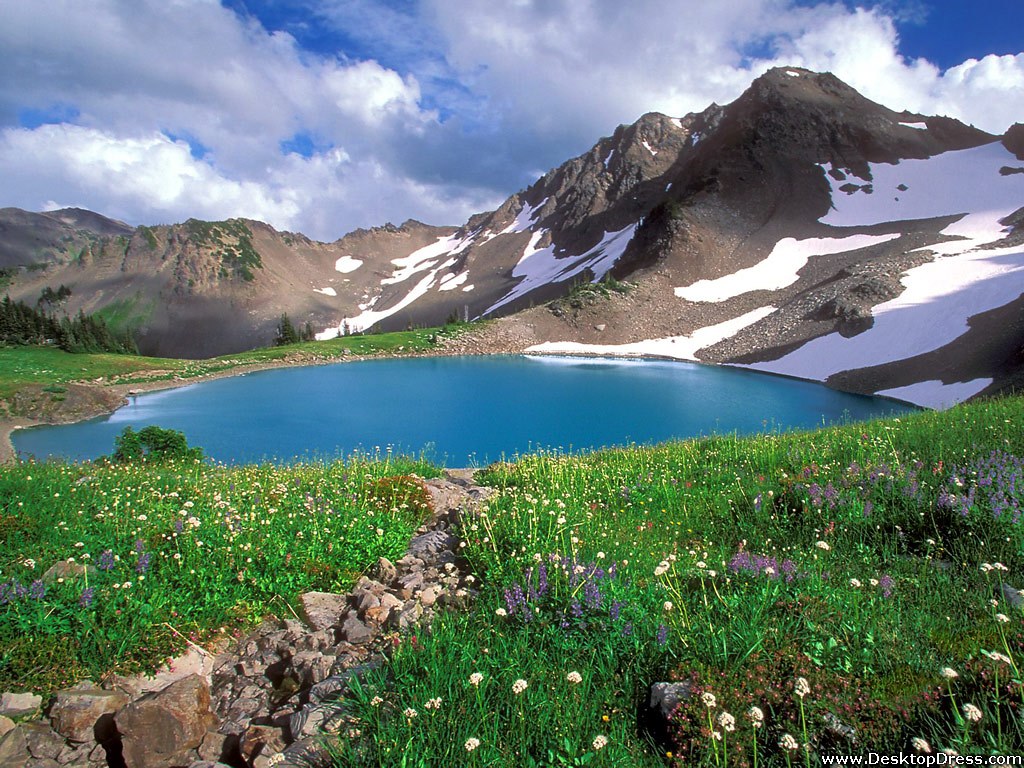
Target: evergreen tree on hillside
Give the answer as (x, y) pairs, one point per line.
(286, 333)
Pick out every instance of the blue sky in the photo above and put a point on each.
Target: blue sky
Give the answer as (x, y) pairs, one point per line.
(322, 116)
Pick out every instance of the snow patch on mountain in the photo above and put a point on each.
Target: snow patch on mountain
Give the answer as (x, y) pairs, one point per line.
(541, 266)
(326, 291)
(451, 282)
(524, 220)
(941, 296)
(779, 270)
(675, 347)
(421, 259)
(919, 126)
(347, 264)
(935, 394)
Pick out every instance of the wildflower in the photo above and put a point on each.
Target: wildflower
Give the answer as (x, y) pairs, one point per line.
(756, 716)
(410, 713)
(996, 656)
(376, 701)
(662, 636)
(37, 590)
(85, 600)
(1002, 618)
(986, 567)
(434, 703)
(972, 713)
(949, 673)
(600, 742)
(519, 686)
(727, 721)
(475, 679)
(29, 563)
(501, 612)
(701, 564)
(574, 677)
(472, 743)
(801, 687)
(823, 545)
(855, 583)
(709, 699)
(920, 745)
(667, 606)
(662, 568)
(787, 742)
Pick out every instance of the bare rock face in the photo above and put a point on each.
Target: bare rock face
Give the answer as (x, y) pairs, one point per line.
(160, 729)
(86, 712)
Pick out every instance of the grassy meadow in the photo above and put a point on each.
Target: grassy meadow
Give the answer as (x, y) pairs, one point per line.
(808, 587)
(20, 366)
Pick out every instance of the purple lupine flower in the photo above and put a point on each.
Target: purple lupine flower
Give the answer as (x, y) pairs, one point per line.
(105, 562)
(37, 590)
(757, 503)
(868, 507)
(178, 526)
(143, 564)
(542, 580)
(886, 583)
(85, 600)
(662, 636)
(628, 629)
(139, 545)
(615, 609)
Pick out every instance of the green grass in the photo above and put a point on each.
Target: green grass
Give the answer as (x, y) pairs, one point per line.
(821, 577)
(20, 366)
(125, 315)
(189, 550)
(742, 566)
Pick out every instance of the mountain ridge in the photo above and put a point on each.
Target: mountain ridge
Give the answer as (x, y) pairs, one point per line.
(731, 194)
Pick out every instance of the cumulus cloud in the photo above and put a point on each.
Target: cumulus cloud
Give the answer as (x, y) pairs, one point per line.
(438, 108)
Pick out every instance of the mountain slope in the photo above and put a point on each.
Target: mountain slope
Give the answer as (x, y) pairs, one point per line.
(801, 229)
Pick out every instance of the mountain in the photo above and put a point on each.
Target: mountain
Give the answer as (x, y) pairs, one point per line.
(802, 229)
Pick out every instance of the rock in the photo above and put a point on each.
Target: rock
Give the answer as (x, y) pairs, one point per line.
(1011, 595)
(19, 704)
(409, 584)
(86, 713)
(261, 740)
(384, 571)
(365, 601)
(600, 327)
(43, 762)
(64, 570)
(355, 631)
(408, 616)
(215, 745)
(41, 740)
(160, 728)
(6, 725)
(666, 696)
(207, 764)
(322, 610)
(14, 749)
(427, 546)
(429, 595)
(309, 752)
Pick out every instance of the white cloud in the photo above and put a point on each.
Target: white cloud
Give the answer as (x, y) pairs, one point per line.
(475, 96)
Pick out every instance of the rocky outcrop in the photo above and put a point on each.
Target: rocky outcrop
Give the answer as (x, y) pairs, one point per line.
(270, 699)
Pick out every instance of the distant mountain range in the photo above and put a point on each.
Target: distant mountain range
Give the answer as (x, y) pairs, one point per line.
(801, 229)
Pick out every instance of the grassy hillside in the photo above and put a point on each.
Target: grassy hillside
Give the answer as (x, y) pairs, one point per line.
(855, 582)
(20, 366)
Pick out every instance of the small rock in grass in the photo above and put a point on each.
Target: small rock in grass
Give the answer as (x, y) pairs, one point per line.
(66, 570)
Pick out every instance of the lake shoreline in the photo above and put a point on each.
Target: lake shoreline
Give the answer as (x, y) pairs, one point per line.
(488, 340)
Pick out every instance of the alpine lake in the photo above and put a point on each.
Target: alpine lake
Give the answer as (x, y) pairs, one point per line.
(461, 411)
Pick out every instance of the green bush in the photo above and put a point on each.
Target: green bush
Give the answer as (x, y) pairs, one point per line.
(153, 444)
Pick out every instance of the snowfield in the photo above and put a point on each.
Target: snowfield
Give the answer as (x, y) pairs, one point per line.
(540, 266)
(779, 270)
(941, 296)
(675, 347)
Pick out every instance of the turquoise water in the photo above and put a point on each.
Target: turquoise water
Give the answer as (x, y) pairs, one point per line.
(461, 411)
